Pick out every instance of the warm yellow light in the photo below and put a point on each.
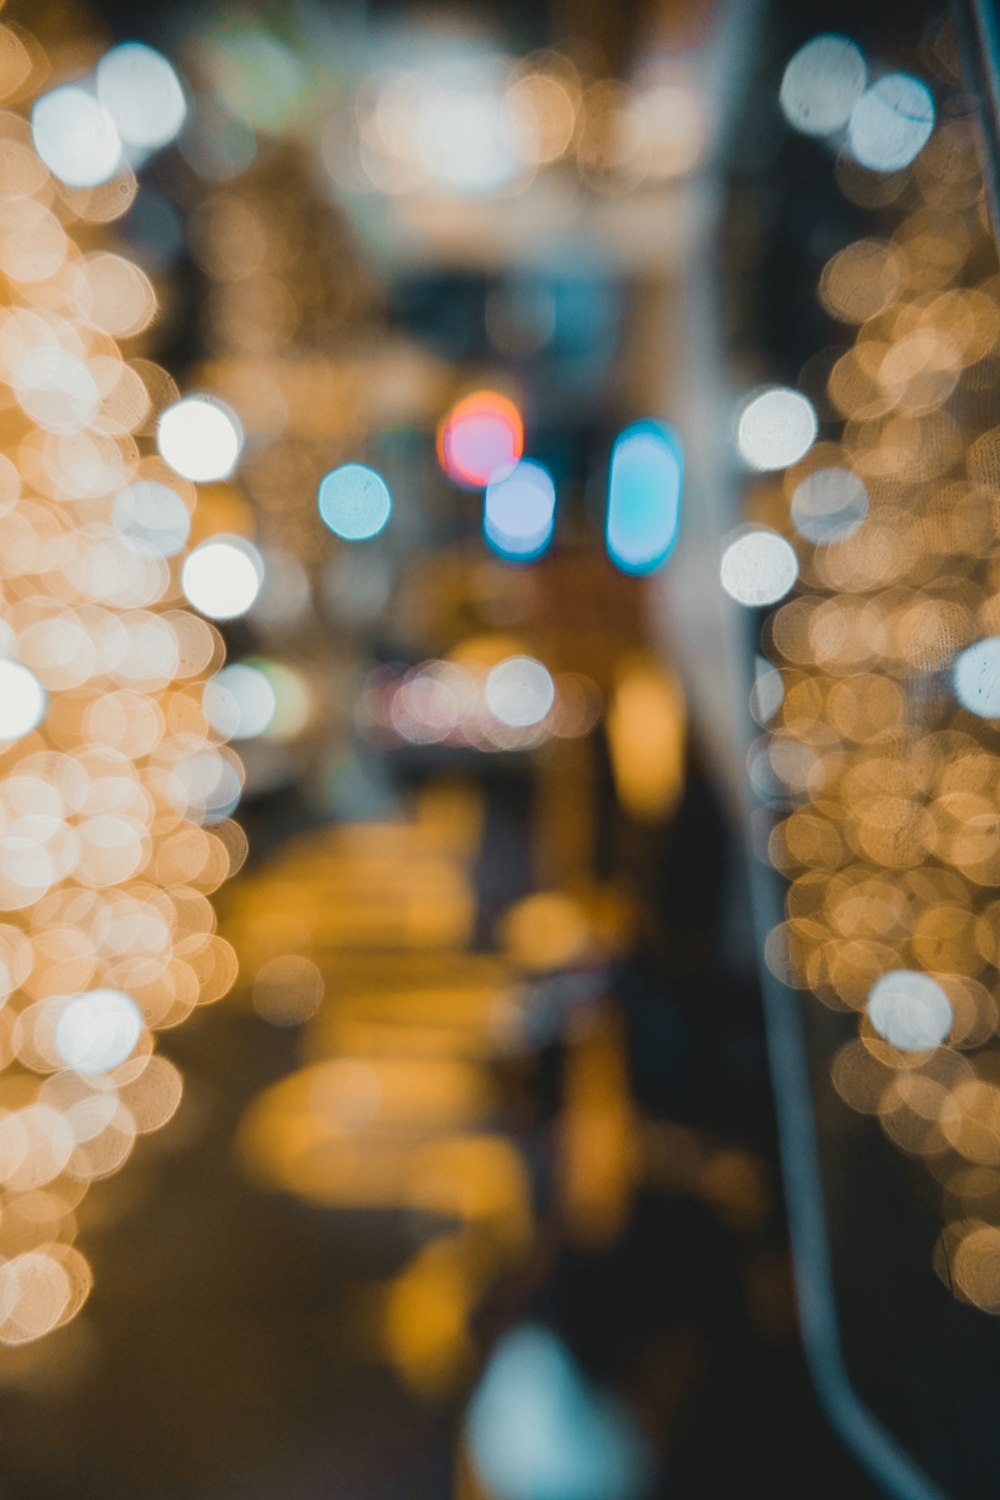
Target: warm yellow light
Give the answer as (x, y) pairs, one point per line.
(647, 724)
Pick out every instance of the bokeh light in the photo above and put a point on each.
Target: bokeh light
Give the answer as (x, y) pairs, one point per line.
(142, 94)
(758, 568)
(519, 511)
(520, 691)
(976, 678)
(293, 700)
(829, 505)
(538, 1431)
(775, 428)
(910, 1010)
(200, 438)
(644, 497)
(153, 517)
(768, 691)
(222, 577)
(481, 436)
(239, 701)
(464, 136)
(75, 137)
(822, 83)
(98, 1030)
(22, 701)
(891, 123)
(354, 502)
(57, 390)
(288, 990)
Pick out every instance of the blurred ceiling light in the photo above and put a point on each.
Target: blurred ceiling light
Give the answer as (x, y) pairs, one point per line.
(222, 577)
(822, 83)
(891, 124)
(758, 568)
(142, 93)
(98, 1030)
(200, 437)
(76, 137)
(829, 505)
(519, 691)
(354, 502)
(239, 701)
(910, 1010)
(976, 678)
(153, 517)
(519, 511)
(22, 701)
(644, 497)
(481, 435)
(776, 427)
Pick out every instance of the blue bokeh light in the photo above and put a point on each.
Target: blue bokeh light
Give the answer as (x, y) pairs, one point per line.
(519, 512)
(976, 678)
(354, 502)
(538, 1430)
(644, 497)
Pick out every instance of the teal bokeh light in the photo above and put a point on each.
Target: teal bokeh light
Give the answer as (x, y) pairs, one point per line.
(644, 497)
(354, 502)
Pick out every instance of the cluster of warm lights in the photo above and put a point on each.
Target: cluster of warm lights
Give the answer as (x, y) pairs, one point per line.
(480, 124)
(512, 703)
(297, 373)
(114, 788)
(442, 112)
(880, 765)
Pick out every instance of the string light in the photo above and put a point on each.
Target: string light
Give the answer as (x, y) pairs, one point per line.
(879, 770)
(109, 770)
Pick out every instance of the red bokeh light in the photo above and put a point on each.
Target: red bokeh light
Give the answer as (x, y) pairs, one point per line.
(482, 434)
